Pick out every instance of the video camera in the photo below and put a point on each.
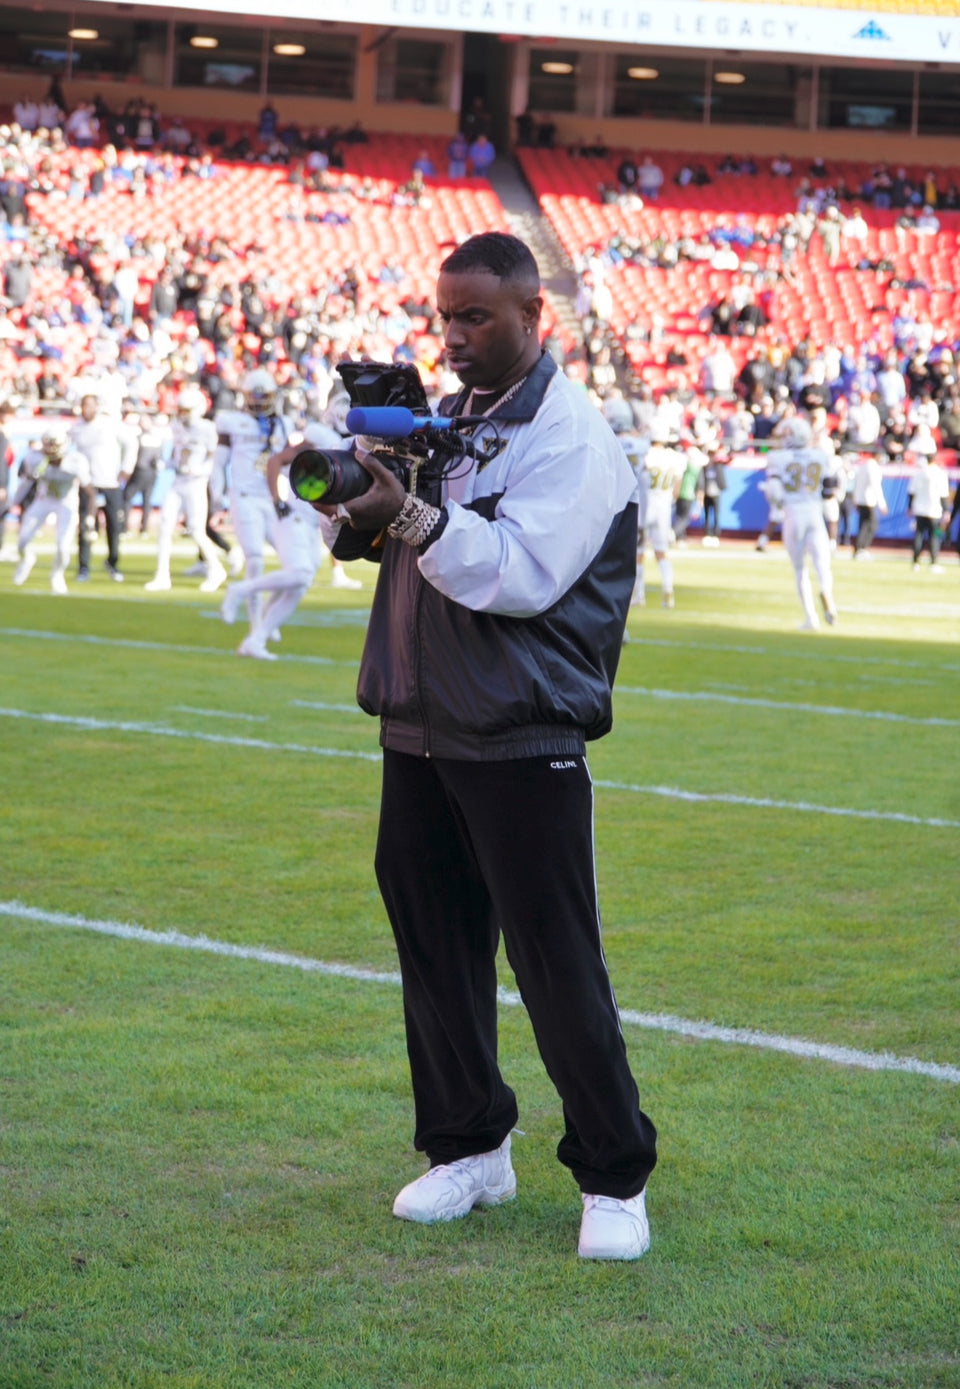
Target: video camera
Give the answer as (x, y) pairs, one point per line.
(388, 404)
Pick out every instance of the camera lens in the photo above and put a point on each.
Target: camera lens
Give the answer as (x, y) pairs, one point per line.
(328, 475)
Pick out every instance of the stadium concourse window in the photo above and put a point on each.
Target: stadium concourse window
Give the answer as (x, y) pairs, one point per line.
(553, 80)
(213, 55)
(324, 66)
(414, 70)
(658, 88)
(757, 93)
(939, 108)
(865, 99)
(32, 41)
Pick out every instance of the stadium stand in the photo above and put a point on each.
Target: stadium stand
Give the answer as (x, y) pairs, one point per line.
(659, 307)
(356, 249)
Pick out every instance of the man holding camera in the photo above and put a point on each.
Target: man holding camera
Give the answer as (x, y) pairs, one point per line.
(492, 646)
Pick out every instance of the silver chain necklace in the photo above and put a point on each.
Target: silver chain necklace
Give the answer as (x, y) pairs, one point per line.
(508, 394)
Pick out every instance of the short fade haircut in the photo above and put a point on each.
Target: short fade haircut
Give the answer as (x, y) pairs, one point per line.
(498, 254)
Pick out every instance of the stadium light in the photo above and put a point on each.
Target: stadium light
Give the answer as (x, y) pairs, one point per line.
(729, 79)
(289, 50)
(83, 33)
(643, 74)
(204, 41)
(557, 69)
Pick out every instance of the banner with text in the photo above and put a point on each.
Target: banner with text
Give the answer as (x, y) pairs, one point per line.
(802, 29)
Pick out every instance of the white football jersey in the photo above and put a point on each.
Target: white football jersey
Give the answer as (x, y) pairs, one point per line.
(193, 447)
(636, 447)
(56, 481)
(664, 468)
(800, 473)
(252, 440)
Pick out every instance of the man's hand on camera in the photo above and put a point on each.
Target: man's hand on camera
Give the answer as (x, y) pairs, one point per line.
(381, 504)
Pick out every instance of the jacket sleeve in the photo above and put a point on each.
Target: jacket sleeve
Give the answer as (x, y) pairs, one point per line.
(567, 482)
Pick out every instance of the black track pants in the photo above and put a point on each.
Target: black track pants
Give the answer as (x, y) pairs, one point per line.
(467, 850)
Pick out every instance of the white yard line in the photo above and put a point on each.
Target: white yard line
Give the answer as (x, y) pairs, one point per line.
(822, 710)
(158, 730)
(674, 793)
(136, 645)
(324, 707)
(218, 713)
(738, 649)
(660, 1022)
(800, 654)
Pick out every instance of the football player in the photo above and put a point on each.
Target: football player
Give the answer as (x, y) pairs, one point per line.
(52, 476)
(248, 438)
(635, 444)
(194, 445)
(663, 466)
(300, 536)
(796, 474)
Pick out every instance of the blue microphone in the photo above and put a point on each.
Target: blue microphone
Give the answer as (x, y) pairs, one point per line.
(395, 421)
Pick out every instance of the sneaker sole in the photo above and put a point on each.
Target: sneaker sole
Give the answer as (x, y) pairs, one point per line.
(623, 1255)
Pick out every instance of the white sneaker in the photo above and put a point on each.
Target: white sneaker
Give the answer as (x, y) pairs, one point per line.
(256, 649)
(230, 605)
(58, 583)
(275, 634)
(159, 584)
(809, 626)
(215, 577)
(638, 598)
(235, 561)
(453, 1189)
(612, 1229)
(341, 579)
(22, 571)
(936, 569)
(667, 600)
(196, 571)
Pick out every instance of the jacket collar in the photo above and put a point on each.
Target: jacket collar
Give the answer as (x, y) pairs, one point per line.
(527, 401)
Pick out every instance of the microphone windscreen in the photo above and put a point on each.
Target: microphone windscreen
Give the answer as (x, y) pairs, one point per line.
(387, 421)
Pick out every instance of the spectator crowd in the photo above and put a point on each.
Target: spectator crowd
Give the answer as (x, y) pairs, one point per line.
(137, 319)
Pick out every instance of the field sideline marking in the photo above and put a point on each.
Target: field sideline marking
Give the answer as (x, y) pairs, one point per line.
(180, 648)
(675, 793)
(794, 706)
(724, 648)
(160, 730)
(218, 713)
(325, 707)
(659, 1022)
(738, 649)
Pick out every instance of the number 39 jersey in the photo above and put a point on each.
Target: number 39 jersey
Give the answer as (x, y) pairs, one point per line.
(800, 474)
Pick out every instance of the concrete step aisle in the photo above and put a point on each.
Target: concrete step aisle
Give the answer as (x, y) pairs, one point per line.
(527, 221)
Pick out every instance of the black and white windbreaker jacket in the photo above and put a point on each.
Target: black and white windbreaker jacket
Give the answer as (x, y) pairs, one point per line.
(501, 638)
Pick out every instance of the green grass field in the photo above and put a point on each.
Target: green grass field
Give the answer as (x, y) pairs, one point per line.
(199, 1150)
